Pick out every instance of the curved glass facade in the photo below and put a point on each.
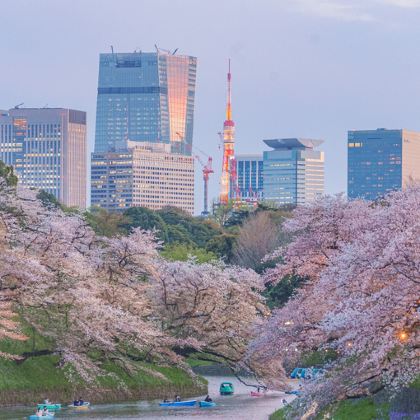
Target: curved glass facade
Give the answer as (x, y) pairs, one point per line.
(145, 97)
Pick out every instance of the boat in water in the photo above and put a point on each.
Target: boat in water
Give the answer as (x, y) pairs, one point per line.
(50, 407)
(256, 394)
(190, 403)
(84, 406)
(226, 388)
(207, 404)
(35, 417)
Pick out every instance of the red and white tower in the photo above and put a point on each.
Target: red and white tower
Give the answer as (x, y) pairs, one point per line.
(228, 148)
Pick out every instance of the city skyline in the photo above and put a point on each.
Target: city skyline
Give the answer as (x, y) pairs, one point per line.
(291, 76)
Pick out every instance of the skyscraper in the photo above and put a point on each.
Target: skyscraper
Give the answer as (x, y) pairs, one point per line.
(380, 161)
(47, 147)
(147, 174)
(145, 97)
(250, 176)
(162, 178)
(293, 172)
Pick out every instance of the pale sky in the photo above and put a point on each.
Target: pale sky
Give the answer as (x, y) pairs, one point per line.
(301, 68)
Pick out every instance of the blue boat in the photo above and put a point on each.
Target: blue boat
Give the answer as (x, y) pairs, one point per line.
(190, 403)
(207, 404)
(35, 417)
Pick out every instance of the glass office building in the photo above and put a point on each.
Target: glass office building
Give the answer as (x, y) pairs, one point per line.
(145, 97)
(293, 172)
(112, 180)
(380, 161)
(48, 150)
(249, 169)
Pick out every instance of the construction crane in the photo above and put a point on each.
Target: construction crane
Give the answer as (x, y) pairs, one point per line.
(207, 170)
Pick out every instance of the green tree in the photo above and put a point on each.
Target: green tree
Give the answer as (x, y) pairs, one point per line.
(182, 252)
(146, 219)
(105, 223)
(280, 293)
(7, 173)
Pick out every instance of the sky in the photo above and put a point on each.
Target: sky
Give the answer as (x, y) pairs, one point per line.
(300, 68)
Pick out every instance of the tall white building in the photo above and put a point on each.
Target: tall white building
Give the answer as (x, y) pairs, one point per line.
(162, 178)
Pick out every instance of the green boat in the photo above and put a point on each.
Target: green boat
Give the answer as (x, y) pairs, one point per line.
(226, 388)
(50, 407)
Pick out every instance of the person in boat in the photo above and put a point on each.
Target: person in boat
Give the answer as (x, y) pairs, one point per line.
(38, 412)
(76, 403)
(208, 399)
(45, 412)
(47, 401)
(177, 398)
(165, 400)
(81, 402)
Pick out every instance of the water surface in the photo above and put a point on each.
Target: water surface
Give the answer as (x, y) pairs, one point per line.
(240, 406)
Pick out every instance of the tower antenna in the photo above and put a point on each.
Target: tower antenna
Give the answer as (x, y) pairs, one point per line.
(228, 179)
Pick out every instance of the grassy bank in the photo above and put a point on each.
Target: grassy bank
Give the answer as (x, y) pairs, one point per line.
(363, 409)
(39, 377)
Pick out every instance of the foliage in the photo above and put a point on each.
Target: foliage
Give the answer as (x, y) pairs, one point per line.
(115, 296)
(278, 294)
(141, 217)
(105, 223)
(259, 236)
(362, 265)
(7, 175)
(213, 307)
(361, 409)
(180, 252)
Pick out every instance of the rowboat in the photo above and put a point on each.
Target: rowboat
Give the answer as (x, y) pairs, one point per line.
(207, 404)
(256, 394)
(84, 406)
(190, 403)
(50, 407)
(226, 388)
(35, 417)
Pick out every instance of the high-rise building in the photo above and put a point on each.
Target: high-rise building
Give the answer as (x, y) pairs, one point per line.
(48, 150)
(145, 175)
(112, 180)
(162, 178)
(380, 161)
(249, 169)
(293, 172)
(145, 97)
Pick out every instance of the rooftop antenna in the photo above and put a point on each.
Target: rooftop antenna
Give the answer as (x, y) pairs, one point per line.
(176, 49)
(18, 105)
(157, 49)
(112, 49)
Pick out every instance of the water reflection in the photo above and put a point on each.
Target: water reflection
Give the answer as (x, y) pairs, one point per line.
(239, 406)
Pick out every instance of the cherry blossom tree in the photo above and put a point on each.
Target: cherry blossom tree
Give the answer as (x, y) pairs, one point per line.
(212, 306)
(115, 298)
(362, 264)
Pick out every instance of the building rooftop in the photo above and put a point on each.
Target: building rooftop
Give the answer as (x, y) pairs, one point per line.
(293, 143)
